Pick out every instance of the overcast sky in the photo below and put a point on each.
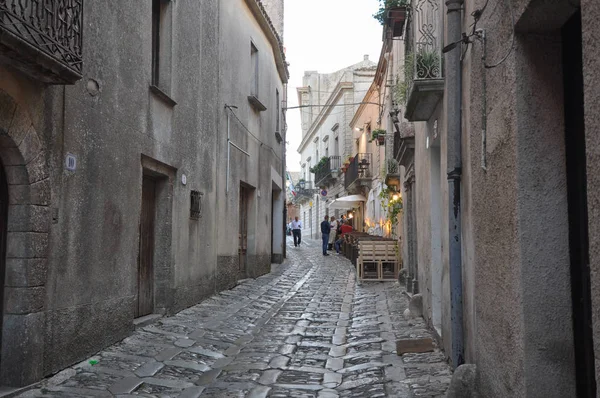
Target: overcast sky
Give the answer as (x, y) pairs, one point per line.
(324, 35)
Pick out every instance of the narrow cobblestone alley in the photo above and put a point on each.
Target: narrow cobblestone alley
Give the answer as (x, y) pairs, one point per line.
(305, 330)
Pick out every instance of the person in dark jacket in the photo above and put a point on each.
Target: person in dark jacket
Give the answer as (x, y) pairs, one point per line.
(325, 231)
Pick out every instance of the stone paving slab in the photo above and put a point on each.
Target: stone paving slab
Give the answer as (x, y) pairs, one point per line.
(305, 330)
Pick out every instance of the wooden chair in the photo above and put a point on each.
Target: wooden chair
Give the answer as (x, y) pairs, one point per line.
(383, 254)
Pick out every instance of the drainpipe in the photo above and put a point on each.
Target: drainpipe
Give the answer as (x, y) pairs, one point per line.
(454, 169)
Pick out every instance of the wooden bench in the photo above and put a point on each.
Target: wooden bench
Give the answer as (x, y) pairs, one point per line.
(378, 260)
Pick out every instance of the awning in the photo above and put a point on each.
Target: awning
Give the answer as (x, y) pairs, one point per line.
(347, 202)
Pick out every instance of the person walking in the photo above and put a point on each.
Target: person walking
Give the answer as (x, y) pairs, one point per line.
(334, 225)
(325, 230)
(297, 231)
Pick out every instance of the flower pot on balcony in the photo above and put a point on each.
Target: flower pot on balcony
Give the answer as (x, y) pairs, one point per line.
(396, 17)
(392, 180)
(380, 140)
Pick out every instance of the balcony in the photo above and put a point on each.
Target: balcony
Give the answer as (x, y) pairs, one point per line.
(392, 175)
(329, 171)
(359, 172)
(304, 191)
(423, 69)
(43, 38)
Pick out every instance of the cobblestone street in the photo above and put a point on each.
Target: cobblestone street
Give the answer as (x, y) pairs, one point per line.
(305, 330)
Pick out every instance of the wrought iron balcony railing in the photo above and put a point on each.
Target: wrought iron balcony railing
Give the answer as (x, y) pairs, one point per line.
(359, 170)
(305, 191)
(43, 38)
(328, 172)
(423, 62)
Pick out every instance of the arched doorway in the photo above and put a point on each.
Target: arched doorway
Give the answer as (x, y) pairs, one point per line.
(24, 229)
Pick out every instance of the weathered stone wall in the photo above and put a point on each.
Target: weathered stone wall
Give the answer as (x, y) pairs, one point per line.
(72, 266)
(515, 213)
(253, 131)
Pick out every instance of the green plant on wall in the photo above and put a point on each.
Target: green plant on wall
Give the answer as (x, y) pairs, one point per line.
(401, 88)
(385, 5)
(376, 133)
(391, 203)
(322, 163)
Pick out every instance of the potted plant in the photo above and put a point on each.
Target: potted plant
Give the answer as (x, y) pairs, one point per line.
(428, 64)
(379, 136)
(392, 13)
(392, 176)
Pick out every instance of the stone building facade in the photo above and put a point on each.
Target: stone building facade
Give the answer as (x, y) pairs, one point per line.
(113, 186)
(330, 102)
(505, 160)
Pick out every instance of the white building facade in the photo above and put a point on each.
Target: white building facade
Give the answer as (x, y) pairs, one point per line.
(328, 105)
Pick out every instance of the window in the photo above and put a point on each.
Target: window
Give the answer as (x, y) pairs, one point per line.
(254, 61)
(156, 11)
(161, 53)
(336, 147)
(278, 111)
(327, 152)
(195, 205)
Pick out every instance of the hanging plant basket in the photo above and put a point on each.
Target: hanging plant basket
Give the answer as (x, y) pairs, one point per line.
(381, 139)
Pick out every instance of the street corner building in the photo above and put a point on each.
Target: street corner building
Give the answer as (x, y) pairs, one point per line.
(498, 155)
(142, 151)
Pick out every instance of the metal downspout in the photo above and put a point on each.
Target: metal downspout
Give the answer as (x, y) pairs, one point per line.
(454, 169)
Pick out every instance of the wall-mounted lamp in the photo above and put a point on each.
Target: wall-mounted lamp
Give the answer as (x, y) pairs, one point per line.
(395, 197)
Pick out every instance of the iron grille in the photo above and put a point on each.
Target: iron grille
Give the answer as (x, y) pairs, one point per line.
(53, 27)
(196, 205)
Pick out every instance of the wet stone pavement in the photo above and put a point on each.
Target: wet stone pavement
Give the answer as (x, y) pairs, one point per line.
(305, 330)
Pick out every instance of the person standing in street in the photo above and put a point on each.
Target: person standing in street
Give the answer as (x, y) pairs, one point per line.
(297, 231)
(334, 225)
(325, 230)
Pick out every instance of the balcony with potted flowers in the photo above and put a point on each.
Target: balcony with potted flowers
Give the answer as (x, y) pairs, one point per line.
(392, 15)
(359, 172)
(392, 175)
(328, 172)
(43, 38)
(423, 83)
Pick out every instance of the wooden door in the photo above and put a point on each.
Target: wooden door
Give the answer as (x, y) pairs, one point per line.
(145, 304)
(243, 230)
(3, 233)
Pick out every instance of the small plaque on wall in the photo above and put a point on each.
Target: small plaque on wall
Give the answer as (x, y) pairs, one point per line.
(71, 162)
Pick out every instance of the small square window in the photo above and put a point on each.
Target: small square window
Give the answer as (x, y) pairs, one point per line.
(196, 205)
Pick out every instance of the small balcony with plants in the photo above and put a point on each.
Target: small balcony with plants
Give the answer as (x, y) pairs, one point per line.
(378, 136)
(43, 38)
(392, 174)
(423, 85)
(358, 171)
(392, 15)
(327, 170)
